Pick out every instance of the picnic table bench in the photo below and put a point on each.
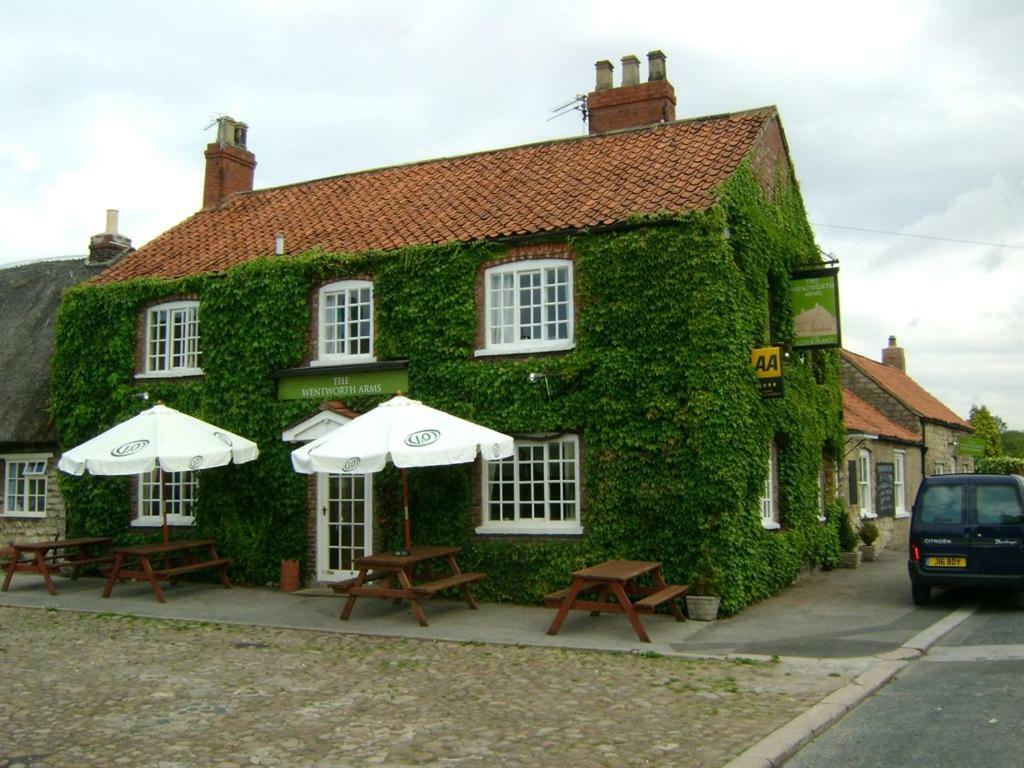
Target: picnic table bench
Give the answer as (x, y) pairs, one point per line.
(46, 557)
(401, 570)
(166, 561)
(617, 589)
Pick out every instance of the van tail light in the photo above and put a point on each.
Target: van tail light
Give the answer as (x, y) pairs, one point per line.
(915, 552)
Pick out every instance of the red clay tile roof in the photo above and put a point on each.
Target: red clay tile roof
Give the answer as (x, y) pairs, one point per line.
(906, 390)
(554, 186)
(861, 417)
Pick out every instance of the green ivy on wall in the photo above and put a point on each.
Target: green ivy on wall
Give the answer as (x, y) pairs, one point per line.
(659, 386)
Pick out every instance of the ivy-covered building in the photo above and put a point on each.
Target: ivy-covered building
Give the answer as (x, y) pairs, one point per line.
(596, 297)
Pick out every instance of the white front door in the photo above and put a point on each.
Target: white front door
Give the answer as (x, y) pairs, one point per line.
(344, 524)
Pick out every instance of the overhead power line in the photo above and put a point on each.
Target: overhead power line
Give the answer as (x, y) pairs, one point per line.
(920, 237)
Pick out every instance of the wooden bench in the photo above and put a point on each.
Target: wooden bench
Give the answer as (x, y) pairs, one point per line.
(662, 596)
(342, 587)
(170, 573)
(445, 582)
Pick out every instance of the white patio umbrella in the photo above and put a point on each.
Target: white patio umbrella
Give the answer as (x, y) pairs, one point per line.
(406, 432)
(158, 437)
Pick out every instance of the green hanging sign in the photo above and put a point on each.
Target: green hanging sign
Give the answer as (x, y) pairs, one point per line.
(815, 300)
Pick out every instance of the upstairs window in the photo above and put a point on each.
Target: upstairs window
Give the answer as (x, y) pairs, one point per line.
(25, 485)
(346, 323)
(529, 307)
(536, 490)
(172, 339)
(181, 488)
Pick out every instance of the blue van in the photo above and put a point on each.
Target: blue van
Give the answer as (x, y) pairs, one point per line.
(966, 531)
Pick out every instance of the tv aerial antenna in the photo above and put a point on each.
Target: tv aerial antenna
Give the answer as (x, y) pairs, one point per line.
(578, 103)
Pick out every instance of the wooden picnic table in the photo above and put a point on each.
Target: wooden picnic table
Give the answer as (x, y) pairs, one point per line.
(165, 561)
(617, 579)
(407, 576)
(47, 556)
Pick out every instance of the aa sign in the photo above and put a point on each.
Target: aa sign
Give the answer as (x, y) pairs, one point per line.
(767, 362)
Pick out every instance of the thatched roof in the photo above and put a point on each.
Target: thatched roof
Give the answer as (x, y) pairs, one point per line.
(29, 297)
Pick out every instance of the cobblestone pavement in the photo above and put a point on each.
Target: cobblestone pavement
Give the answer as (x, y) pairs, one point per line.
(86, 689)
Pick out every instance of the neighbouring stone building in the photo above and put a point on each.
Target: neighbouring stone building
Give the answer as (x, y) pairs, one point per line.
(897, 433)
(31, 505)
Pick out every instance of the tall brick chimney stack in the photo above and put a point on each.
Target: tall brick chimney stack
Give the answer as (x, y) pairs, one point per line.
(633, 104)
(108, 246)
(894, 355)
(230, 167)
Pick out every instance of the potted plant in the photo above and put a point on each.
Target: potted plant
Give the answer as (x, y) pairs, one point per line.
(868, 535)
(849, 555)
(704, 597)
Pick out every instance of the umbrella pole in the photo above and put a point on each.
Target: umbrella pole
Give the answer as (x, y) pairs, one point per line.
(163, 502)
(405, 508)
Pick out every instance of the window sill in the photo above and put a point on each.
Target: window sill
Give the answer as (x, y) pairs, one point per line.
(158, 523)
(527, 530)
(342, 360)
(900, 515)
(29, 515)
(868, 516)
(770, 525)
(525, 349)
(178, 373)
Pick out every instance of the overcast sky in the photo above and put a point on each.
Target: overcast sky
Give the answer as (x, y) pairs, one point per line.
(901, 117)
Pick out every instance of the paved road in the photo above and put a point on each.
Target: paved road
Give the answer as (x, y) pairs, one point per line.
(961, 705)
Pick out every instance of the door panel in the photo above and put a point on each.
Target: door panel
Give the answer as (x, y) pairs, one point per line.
(344, 524)
(997, 543)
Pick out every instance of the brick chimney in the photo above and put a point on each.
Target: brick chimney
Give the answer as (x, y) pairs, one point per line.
(894, 356)
(633, 104)
(229, 165)
(108, 246)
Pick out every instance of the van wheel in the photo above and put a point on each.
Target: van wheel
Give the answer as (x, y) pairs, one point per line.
(921, 593)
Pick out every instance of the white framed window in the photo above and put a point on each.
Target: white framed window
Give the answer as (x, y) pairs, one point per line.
(172, 340)
(528, 307)
(899, 484)
(25, 484)
(864, 483)
(940, 468)
(769, 509)
(345, 332)
(536, 490)
(181, 487)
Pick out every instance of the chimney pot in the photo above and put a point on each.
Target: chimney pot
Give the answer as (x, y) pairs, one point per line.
(630, 70)
(108, 247)
(230, 167)
(894, 356)
(655, 66)
(604, 75)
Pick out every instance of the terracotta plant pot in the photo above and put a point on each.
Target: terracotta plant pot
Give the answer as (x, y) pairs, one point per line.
(289, 575)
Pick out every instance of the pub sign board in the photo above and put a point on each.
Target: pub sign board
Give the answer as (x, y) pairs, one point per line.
(815, 299)
(767, 362)
(337, 384)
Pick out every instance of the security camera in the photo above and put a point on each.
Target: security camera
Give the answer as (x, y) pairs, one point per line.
(535, 377)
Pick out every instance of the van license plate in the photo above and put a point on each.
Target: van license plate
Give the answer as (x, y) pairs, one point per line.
(946, 562)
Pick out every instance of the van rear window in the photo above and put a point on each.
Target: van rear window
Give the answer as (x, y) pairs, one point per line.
(998, 505)
(942, 504)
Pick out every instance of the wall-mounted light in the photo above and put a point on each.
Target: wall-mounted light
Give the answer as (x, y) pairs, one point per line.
(534, 377)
